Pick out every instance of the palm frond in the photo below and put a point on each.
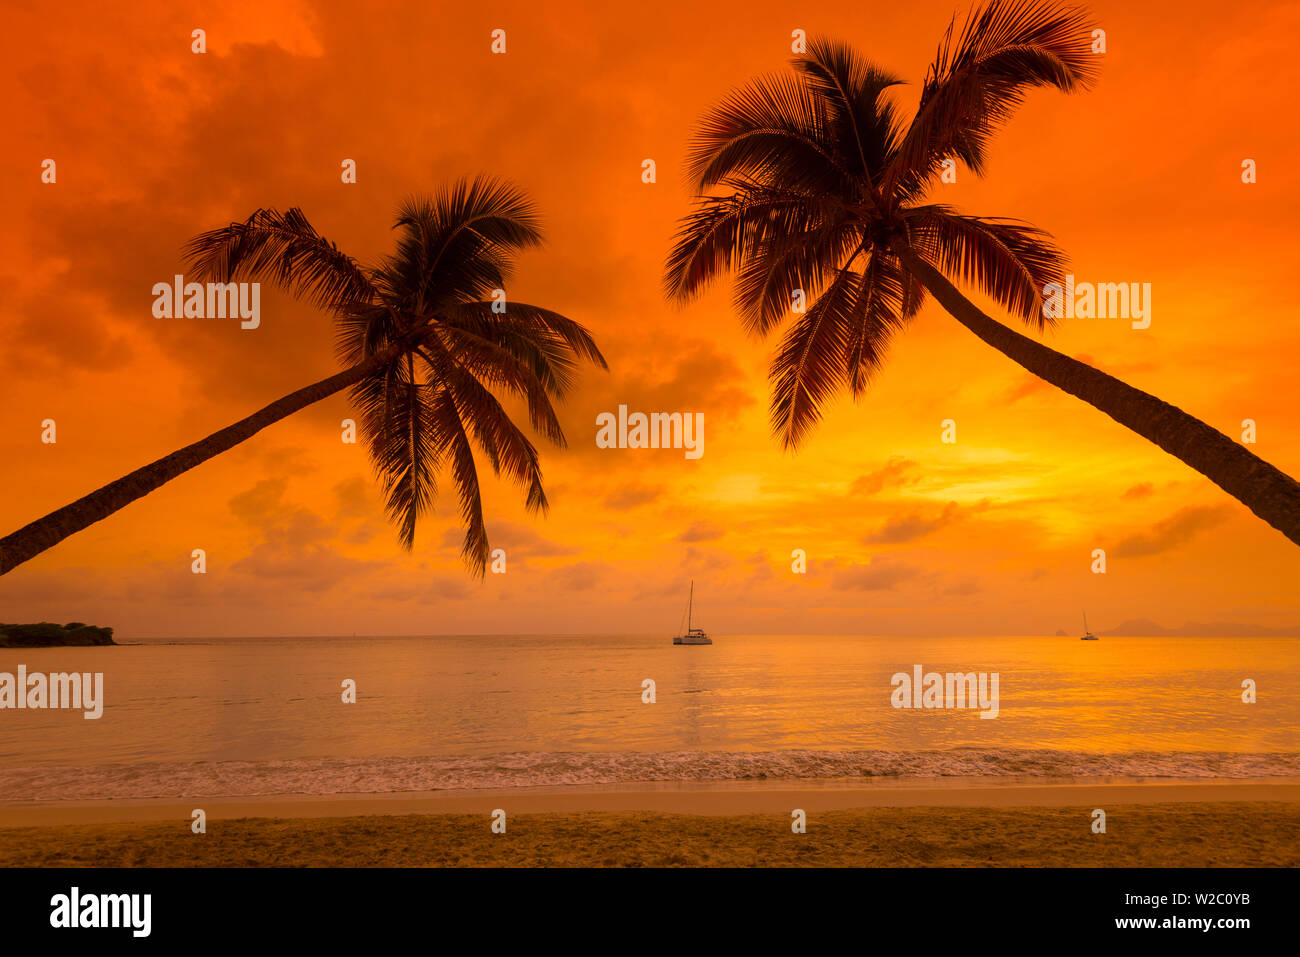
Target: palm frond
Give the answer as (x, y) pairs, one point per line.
(888, 297)
(1008, 260)
(397, 424)
(722, 231)
(774, 130)
(284, 248)
(362, 332)
(559, 336)
(459, 244)
(866, 123)
(508, 450)
(452, 351)
(526, 341)
(450, 429)
(980, 77)
(811, 360)
(805, 261)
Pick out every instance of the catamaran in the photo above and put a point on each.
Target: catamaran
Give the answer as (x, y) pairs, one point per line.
(1087, 635)
(693, 636)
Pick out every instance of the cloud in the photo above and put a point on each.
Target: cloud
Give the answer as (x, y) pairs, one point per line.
(1171, 532)
(296, 545)
(696, 377)
(697, 561)
(908, 528)
(519, 541)
(312, 568)
(581, 576)
(1027, 387)
(881, 573)
(963, 586)
(354, 497)
(450, 587)
(705, 379)
(893, 474)
(632, 495)
(701, 532)
(1141, 490)
(258, 505)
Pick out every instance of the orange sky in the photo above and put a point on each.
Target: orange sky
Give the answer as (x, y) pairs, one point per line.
(1138, 180)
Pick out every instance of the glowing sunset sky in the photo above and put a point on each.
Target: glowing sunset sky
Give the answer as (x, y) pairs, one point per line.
(1139, 180)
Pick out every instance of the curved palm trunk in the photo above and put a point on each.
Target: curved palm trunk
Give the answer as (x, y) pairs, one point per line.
(1271, 494)
(46, 532)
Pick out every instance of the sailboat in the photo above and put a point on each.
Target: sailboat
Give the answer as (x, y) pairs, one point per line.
(693, 636)
(1087, 635)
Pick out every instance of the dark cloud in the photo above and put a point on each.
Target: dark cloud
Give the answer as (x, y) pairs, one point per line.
(1169, 533)
(895, 473)
(910, 527)
(355, 497)
(259, 505)
(702, 532)
(632, 496)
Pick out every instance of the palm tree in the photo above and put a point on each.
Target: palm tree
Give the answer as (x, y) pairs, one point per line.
(423, 350)
(814, 181)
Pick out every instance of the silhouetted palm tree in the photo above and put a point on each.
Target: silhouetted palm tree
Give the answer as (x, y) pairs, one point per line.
(423, 348)
(813, 181)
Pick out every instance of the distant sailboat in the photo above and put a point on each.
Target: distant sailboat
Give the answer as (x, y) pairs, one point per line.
(693, 636)
(1087, 635)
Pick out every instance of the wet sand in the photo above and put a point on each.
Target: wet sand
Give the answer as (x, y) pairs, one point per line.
(734, 798)
(888, 824)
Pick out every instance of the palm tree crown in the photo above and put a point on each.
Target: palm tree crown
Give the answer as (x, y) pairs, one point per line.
(428, 309)
(818, 184)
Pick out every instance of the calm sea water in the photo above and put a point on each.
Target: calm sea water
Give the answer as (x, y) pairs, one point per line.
(260, 716)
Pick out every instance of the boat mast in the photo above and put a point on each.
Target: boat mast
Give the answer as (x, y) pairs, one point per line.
(690, 603)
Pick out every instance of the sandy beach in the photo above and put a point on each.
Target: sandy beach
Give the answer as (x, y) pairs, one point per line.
(1144, 835)
(1147, 825)
(687, 798)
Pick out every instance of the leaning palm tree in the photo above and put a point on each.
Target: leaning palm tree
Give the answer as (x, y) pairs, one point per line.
(813, 181)
(425, 346)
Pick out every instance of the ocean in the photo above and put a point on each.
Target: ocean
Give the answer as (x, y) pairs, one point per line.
(244, 717)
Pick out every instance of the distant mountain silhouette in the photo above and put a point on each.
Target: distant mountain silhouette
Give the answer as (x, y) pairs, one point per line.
(1146, 628)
